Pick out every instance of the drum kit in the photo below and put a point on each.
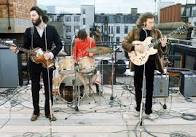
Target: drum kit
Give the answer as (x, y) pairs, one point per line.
(72, 80)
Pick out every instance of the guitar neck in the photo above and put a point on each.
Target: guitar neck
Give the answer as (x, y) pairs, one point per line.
(20, 49)
(158, 41)
(24, 50)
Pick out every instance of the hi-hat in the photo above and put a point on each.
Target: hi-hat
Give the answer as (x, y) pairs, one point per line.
(100, 50)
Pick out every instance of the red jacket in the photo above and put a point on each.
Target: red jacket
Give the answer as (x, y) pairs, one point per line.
(81, 47)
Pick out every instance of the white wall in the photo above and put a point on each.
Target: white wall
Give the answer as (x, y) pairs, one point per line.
(89, 16)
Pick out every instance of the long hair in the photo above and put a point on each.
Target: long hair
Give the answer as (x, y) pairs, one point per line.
(143, 18)
(40, 12)
(82, 34)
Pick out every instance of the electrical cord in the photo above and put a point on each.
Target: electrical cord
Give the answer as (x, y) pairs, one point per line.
(9, 118)
(166, 114)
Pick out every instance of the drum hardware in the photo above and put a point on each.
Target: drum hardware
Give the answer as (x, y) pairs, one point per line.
(71, 77)
(97, 51)
(112, 98)
(67, 83)
(86, 67)
(89, 77)
(100, 50)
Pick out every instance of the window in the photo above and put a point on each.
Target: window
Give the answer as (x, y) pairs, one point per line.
(83, 11)
(76, 18)
(76, 28)
(68, 28)
(117, 39)
(84, 21)
(118, 19)
(102, 28)
(112, 39)
(194, 32)
(68, 37)
(126, 30)
(194, 12)
(188, 12)
(105, 29)
(112, 30)
(67, 18)
(118, 29)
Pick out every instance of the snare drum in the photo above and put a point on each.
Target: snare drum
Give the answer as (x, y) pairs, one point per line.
(66, 63)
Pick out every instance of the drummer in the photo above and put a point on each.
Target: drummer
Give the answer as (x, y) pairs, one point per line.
(81, 46)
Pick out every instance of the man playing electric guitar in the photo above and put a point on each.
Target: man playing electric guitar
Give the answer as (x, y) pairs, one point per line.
(41, 36)
(136, 43)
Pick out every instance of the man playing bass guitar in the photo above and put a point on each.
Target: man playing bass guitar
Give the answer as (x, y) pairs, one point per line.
(42, 37)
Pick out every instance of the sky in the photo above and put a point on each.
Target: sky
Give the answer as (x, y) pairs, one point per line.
(107, 6)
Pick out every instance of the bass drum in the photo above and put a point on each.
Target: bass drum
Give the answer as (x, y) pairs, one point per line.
(64, 86)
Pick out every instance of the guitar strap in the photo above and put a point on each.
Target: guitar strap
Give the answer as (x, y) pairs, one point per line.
(145, 32)
(90, 42)
(45, 39)
(32, 33)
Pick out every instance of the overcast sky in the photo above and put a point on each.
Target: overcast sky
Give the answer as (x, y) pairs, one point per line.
(107, 6)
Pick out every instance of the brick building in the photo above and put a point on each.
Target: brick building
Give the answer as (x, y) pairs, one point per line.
(14, 15)
(170, 14)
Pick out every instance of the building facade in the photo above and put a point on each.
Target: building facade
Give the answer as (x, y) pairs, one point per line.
(72, 22)
(114, 27)
(171, 13)
(179, 13)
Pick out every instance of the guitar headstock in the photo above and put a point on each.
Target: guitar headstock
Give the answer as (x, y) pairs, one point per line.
(182, 29)
(6, 42)
(179, 32)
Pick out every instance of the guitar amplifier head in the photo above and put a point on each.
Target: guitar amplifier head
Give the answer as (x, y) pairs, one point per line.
(188, 84)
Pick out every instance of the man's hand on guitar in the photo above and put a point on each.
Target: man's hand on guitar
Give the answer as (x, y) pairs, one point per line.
(163, 41)
(48, 55)
(13, 48)
(138, 46)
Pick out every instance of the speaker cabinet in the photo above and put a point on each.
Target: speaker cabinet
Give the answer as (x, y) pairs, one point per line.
(161, 86)
(188, 84)
(8, 69)
(106, 72)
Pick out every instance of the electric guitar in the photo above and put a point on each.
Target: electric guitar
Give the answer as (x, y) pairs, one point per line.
(36, 55)
(139, 58)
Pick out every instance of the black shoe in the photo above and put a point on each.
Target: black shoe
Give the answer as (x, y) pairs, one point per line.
(137, 109)
(53, 118)
(34, 117)
(98, 91)
(81, 91)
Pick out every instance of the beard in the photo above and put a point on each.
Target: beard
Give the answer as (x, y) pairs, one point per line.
(37, 22)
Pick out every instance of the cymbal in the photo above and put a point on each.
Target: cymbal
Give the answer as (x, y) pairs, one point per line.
(100, 50)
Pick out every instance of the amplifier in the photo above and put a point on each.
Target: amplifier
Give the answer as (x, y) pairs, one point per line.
(8, 69)
(106, 71)
(161, 86)
(188, 84)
